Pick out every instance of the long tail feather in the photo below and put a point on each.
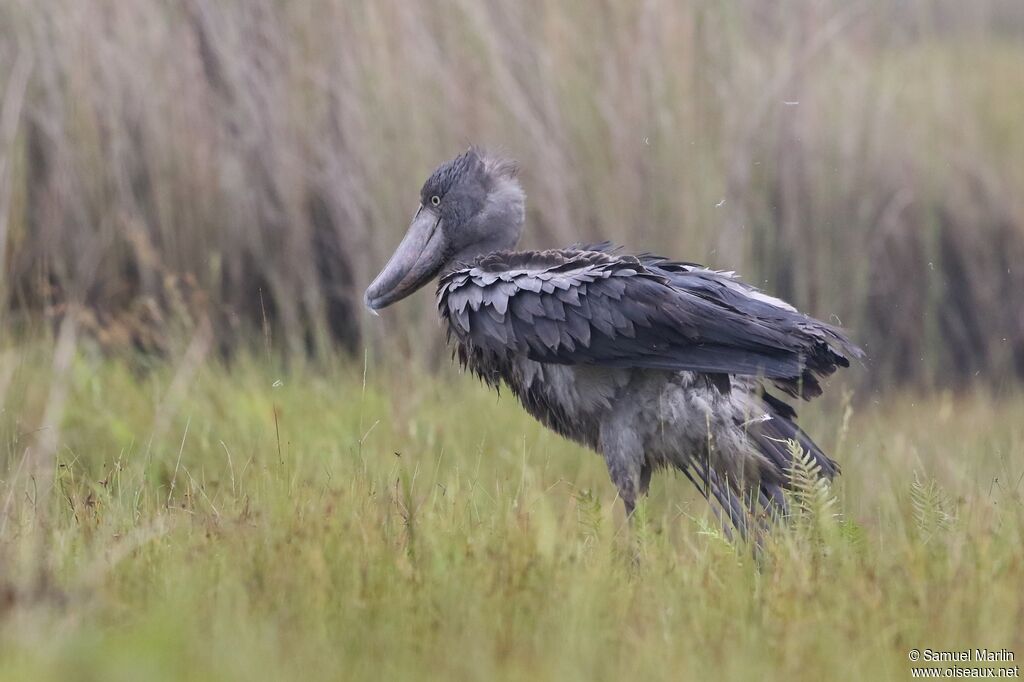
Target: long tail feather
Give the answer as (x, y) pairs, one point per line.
(751, 509)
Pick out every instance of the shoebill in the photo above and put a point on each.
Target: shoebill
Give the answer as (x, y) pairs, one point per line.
(649, 362)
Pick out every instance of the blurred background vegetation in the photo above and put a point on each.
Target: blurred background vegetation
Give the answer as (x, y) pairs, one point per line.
(240, 169)
(201, 478)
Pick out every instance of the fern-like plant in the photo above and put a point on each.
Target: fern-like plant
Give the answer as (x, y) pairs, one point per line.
(811, 496)
(933, 510)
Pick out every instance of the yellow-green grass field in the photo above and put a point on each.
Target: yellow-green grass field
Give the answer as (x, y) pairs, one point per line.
(388, 525)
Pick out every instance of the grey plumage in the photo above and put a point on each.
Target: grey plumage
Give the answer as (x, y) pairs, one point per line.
(651, 363)
(593, 306)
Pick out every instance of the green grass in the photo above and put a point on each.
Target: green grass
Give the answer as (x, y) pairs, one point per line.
(408, 527)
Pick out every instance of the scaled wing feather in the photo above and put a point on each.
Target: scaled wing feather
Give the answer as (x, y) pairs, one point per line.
(597, 307)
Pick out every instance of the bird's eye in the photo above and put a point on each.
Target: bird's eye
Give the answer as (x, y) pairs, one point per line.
(435, 200)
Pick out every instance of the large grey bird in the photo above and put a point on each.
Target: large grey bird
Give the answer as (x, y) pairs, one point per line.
(651, 363)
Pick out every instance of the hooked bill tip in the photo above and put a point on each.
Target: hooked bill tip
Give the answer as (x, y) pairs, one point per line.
(371, 302)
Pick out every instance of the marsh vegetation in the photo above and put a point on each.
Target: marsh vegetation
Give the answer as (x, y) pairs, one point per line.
(215, 467)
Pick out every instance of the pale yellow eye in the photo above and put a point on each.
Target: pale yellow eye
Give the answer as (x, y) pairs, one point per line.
(435, 200)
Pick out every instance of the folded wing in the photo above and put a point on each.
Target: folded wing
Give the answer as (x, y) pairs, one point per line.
(596, 307)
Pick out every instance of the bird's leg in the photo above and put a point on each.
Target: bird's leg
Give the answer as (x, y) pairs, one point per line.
(645, 477)
(630, 507)
(623, 453)
(643, 485)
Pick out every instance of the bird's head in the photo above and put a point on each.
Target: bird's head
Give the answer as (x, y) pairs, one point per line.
(469, 206)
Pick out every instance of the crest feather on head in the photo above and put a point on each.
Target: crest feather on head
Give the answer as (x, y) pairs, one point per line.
(496, 165)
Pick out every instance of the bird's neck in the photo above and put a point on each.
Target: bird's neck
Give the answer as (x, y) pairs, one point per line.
(469, 254)
(499, 224)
